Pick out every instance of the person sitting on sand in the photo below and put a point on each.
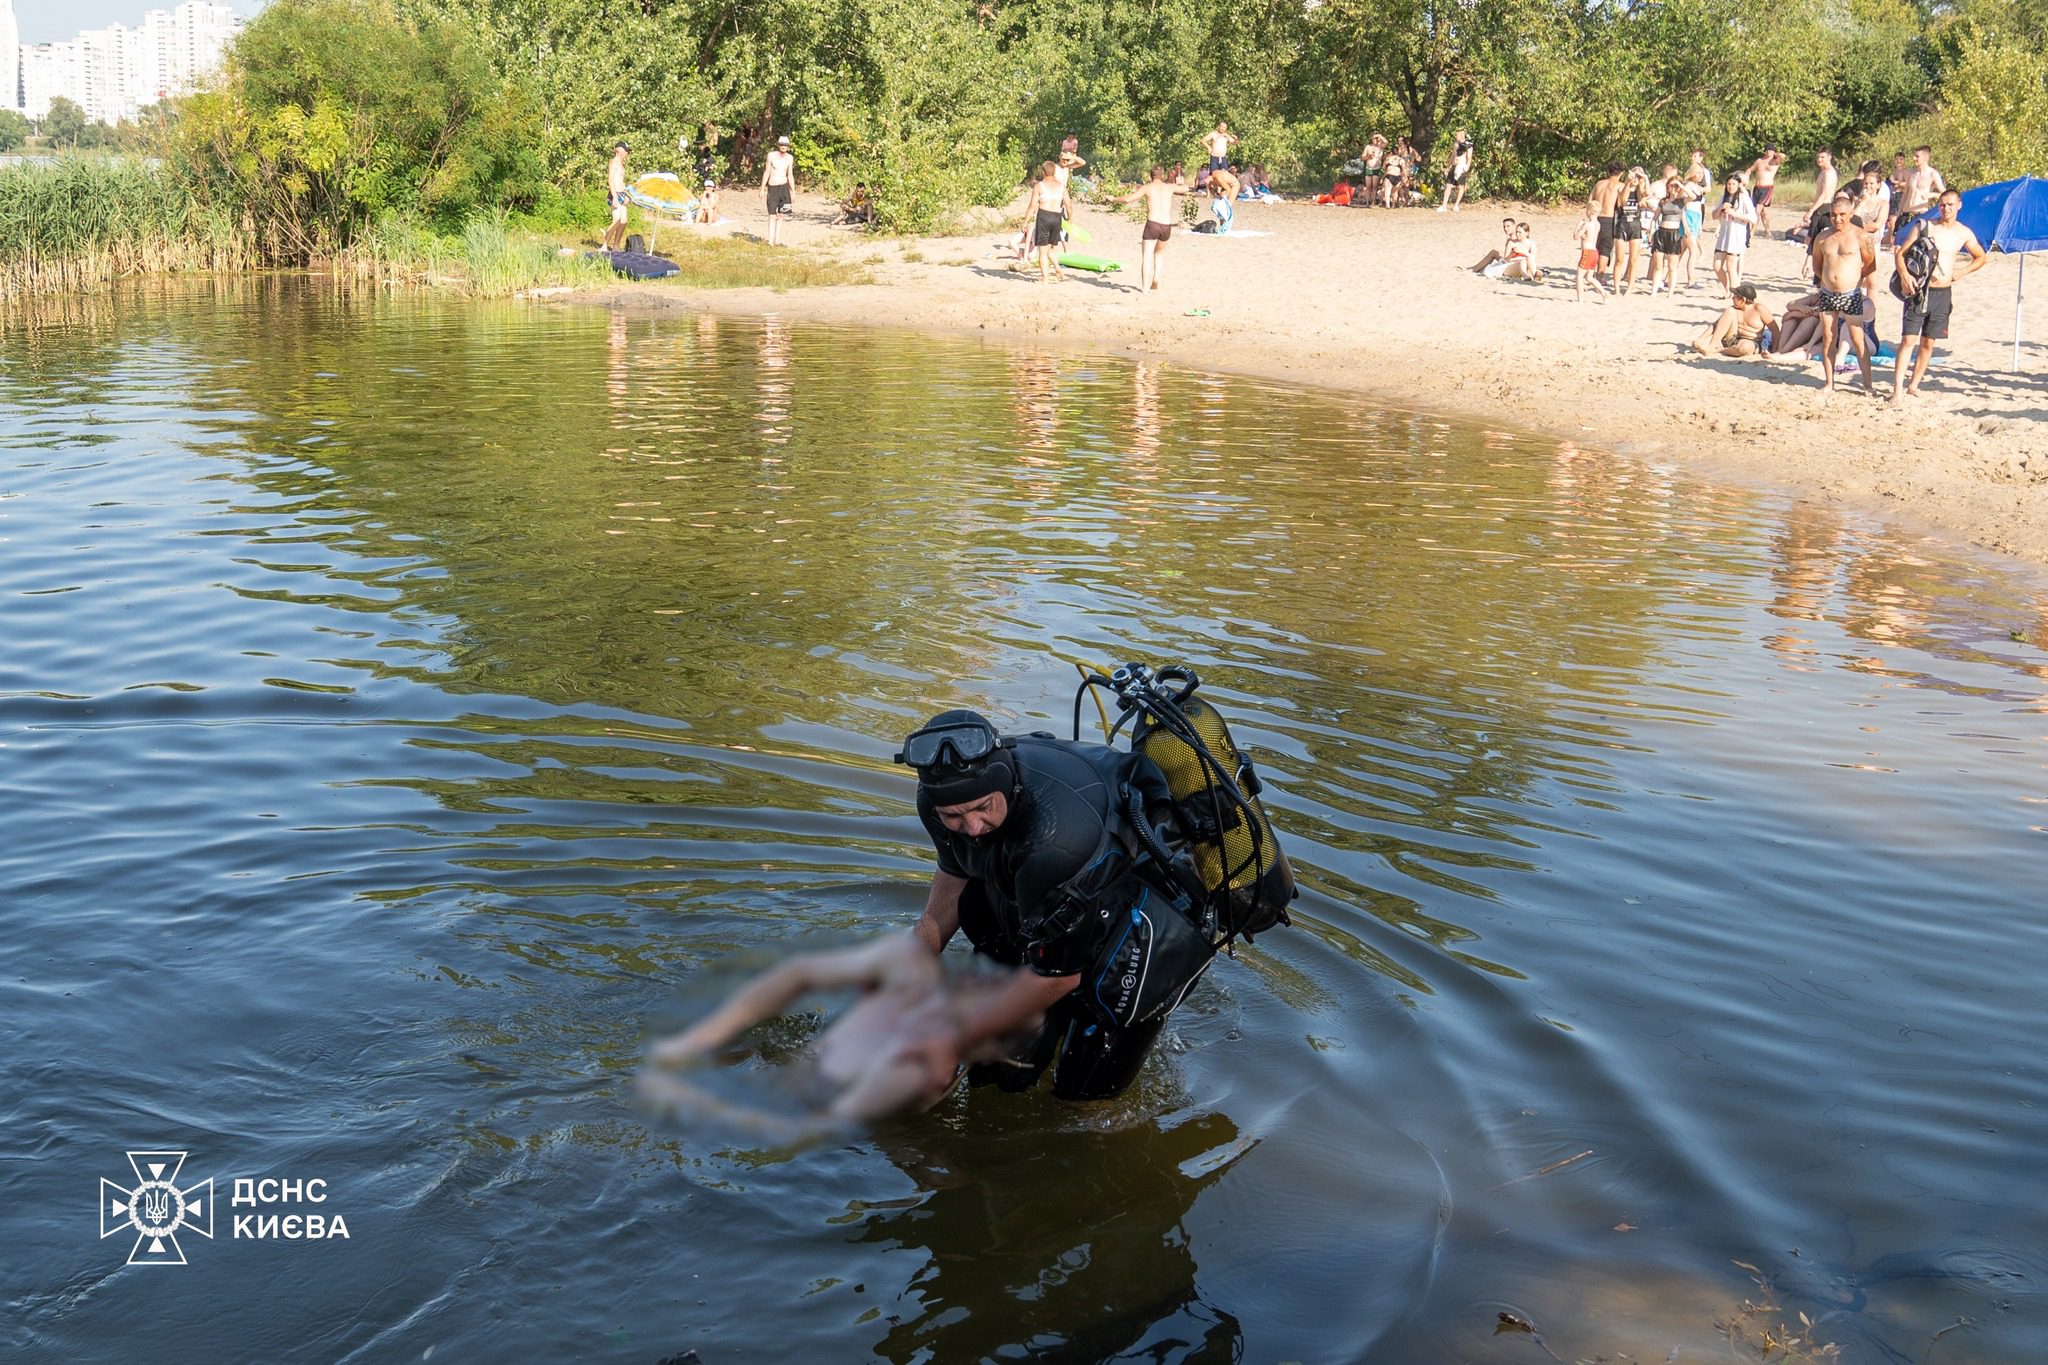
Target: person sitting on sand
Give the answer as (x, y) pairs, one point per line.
(858, 207)
(900, 1046)
(1340, 194)
(707, 204)
(1521, 259)
(1743, 329)
(1499, 254)
(1798, 329)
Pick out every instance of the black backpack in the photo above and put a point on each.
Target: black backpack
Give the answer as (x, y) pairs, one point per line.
(1918, 261)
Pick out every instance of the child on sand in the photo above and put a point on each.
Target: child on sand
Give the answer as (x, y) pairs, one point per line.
(1588, 240)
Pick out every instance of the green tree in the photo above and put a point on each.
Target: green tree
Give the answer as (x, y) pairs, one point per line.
(332, 113)
(64, 125)
(14, 130)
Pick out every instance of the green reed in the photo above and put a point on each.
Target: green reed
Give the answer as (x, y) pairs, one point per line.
(82, 222)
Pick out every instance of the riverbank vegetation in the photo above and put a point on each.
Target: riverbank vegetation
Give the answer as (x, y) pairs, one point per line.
(374, 134)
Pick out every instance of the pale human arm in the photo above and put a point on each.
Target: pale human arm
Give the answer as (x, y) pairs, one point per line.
(1019, 1000)
(941, 917)
(896, 960)
(1974, 249)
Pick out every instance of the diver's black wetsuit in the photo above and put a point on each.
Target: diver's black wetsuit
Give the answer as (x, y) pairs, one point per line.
(1067, 808)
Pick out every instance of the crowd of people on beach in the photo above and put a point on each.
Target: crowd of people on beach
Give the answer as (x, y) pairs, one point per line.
(1638, 234)
(1644, 234)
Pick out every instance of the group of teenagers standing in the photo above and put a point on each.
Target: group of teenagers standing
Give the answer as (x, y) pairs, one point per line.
(1650, 230)
(1391, 176)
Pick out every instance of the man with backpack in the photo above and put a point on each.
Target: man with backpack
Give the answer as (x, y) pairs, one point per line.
(1927, 268)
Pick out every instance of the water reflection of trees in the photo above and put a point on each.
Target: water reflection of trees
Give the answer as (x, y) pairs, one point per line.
(798, 540)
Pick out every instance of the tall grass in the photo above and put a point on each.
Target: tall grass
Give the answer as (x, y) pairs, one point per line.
(85, 221)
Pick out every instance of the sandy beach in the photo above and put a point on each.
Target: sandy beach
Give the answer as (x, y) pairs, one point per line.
(1381, 302)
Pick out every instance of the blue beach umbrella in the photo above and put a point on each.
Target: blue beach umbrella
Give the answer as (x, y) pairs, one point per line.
(2010, 216)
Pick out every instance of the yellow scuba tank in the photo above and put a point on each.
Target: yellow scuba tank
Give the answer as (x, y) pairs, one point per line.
(1215, 789)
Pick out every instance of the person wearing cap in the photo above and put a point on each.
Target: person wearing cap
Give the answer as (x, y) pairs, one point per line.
(777, 179)
(707, 202)
(615, 231)
(1035, 839)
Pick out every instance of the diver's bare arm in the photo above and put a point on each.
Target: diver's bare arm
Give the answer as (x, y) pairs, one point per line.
(1016, 1003)
(941, 918)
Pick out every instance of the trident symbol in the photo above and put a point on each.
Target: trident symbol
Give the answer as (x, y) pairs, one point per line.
(156, 1208)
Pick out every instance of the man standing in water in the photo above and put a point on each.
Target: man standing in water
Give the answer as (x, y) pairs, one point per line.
(1844, 264)
(1928, 309)
(1024, 828)
(1159, 219)
(615, 199)
(777, 178)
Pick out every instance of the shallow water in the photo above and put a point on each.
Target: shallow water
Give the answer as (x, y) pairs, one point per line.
(401, 702)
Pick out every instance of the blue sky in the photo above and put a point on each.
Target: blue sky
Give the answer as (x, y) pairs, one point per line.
(50, 21)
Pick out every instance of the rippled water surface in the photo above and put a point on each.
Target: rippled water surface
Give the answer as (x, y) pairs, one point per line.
(401, 703)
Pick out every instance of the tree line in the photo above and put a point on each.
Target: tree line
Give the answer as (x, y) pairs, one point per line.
(333, 113)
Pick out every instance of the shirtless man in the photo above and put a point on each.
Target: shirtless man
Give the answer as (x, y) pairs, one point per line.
(1606, 198)
(1218, 144)
(1224, 186)
(1763, 179)
(1158, 194)
(1927, 310)
(1924, 184)
(1047, 207)
(1844, 264)
(615, 199)
(1826, 180)
(777, 178)
(1069, 159)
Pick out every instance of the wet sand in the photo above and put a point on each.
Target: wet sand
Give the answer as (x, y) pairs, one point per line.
(1381, 302)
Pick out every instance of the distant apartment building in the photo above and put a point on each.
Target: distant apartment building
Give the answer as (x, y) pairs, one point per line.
(113, 73)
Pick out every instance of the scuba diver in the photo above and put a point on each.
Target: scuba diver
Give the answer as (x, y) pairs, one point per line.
(1116, 876)
(1103, 882)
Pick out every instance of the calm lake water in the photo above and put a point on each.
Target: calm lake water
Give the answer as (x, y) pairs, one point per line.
(402, 703)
